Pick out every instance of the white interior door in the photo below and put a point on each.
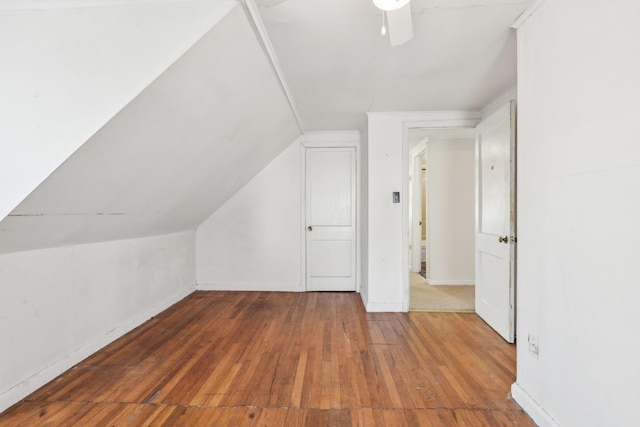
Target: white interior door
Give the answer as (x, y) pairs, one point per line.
(331, 219)
(416, 214)
(495, 221)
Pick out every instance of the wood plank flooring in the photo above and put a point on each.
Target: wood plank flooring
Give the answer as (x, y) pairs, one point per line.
(286, 359)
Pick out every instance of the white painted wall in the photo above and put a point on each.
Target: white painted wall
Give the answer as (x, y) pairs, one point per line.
(58, 306)
(253, 242)
(172, 156)
(578, 210)
(388, 225)
(385, 227)
(451, 207)
(67, 70)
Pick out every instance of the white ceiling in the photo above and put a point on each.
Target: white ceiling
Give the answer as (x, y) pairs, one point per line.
(172, 156)
(218, 115)
(338, 66)
(66, 71)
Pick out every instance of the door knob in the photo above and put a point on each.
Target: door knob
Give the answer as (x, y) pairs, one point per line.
(503, 239)
(310, 228)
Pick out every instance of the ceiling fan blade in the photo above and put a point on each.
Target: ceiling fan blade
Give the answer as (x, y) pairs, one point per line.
(400, 25)
(269, 3)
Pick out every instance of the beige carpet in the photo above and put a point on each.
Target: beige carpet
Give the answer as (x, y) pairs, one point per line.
(424, 297)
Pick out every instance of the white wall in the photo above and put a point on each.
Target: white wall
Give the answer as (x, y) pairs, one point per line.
(385, 222)
(172, 156)
(58, 306)
(388, 225)
(451, 210)
(578, 213)
(253, 242)
(67, 70)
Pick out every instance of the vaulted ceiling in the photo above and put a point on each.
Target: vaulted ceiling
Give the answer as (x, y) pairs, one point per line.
(338, 66)
(172, 156)
(193, 136)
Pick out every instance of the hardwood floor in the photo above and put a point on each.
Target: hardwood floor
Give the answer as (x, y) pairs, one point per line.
(287, 359)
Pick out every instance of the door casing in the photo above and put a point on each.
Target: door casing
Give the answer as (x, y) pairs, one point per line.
(343, 139)
(439, 120)
(416, 208)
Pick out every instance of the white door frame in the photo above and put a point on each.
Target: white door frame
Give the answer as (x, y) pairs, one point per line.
(416, 205)
(340, 139)
(441, 120)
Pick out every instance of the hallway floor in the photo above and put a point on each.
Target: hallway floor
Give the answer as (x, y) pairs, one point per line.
(425, 297)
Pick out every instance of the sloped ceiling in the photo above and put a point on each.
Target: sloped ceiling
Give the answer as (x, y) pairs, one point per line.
(172, 156)
(68, 66)
(219, 115)
(338, 66)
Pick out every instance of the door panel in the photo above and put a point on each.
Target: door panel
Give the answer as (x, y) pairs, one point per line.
(495, 170)
(333, 258)
(331, 219)
(329, 178)
(495, 221)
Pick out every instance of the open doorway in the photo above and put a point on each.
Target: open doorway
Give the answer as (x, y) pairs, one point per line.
(441, 219)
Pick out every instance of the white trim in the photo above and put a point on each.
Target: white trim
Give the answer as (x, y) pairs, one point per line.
(532, 408)
(405, 291)
(358, 213)
(330, 139)
(416, 193)
(428, 116)
(349, 138)
(251, 286)
(86, 4)
(440, 282)
(365, 299)
(303, 213)
(39, 379)
(253, 15)
(528, 13)
(432, 120)
(427, 204)
(381, 307)
(505, 98)
(420, 147)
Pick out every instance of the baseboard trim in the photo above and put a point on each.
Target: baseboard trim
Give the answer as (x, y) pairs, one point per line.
(531, 407)
(21, 390)
(381, 307)
(250, 286)
(439, 282)
(363, 297)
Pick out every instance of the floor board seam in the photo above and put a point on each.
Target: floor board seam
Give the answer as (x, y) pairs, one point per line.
(186, 405)
(300, 357)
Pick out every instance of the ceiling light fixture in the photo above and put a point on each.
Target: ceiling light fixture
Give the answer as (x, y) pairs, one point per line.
(396, 20)
(388, 5)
